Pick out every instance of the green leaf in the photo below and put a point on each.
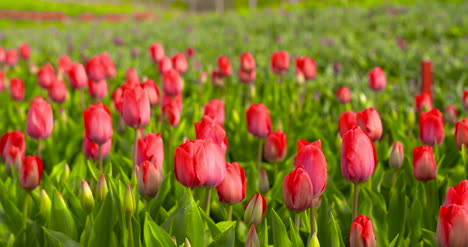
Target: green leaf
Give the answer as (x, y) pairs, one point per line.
(186, 222)
(294, 234)
(394, 241)
(280, 235)
(210, 223)
(102, 229)
(156, 236)
(61, 219)
(60, 239)
(336, 237)
(227, 237)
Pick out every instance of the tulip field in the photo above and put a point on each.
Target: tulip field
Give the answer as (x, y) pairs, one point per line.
(280, 127)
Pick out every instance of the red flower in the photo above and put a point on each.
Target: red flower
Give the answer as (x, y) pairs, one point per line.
(346, 122)
(233, 188)
(98, 123)
(431, 127)
(258, 120)
(362, 233)
(279, 62)
(298, 190)
(377, 79)
(424, 164)
(30, 172)
(40, 120)
(369, 120)
(343, 95)
(275, 146)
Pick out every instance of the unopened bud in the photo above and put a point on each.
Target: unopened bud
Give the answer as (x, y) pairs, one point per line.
(45, 205)
(86, 197)
(129, 203)
(255, 209)
(396, 155)
(65, 173)
(252, 238)
(101, 188)
(264, 183)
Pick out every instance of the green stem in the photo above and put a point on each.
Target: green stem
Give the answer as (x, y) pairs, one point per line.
(208, 201)
(298, 221)
(259, 158)
(135, 148)
(355, 202)
(26, 208)
(39, 149)
(230, 213)
(428, 194)
(130, 231)
(312, 221)
(100, 157)
(83, 105)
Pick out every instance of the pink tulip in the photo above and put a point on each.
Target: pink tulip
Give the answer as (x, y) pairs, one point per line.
(12, 148)
(150, 176)
(156, 52)
(46, 76)
(310, 156)
(233, 188)
(369, 120)
(97, 90)
(173, 84)
(180, 63)
(208, 128)
(424, 164)
(98, 123)
(298, 190)
(77, 76)
(258, 120)
(40, 120)
(275, 146)
(215, 110)
(17, 89)
(172, 109)
(58, 92)
(423, 102)
(151, 148)
(362, 233)
(279, 62)
(431, 127)
(451, 226)
(136, 110)
(343, 95)
(152, 90)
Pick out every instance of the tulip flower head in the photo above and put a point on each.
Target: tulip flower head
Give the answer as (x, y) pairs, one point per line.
(424, 164)
(362, 233)
(298, 190)
(233, 188)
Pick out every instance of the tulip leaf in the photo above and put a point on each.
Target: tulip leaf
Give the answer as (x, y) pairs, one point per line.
(210, 223)
(280, 235)
(394, 241)
(227, 237)
(182, 222)
(294, 234)
(12, 215)
(101, 232)
(336, 238)
(156, 236)
(60, 239)
(61, 218)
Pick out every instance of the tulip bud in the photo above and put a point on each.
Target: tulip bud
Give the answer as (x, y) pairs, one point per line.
(45, 205)
(377, 79)
(451, 114)
(16, 89)
(150, 176)
(252, 238)
(298, 190)
(424, 164)
(362, 233)
(431, 127)
(423, 102)
(208, 128)
(65, 173)
(151, 148)
(346, 122)
(279, 62)
(190, 51)
(451, 226)
(358, 156)
(255, 209)
(264, 183)
(258, 120)
(30, 172)
(396, 155)
(101, 188)
(86, 197)
(187, 243)
(233, 188)
(310, 156)
(465, 99)
(461, 133)
(369, 120)
(343, 95)
(215, 110)
(314, 242)
(129, 202)
(275, 146)
(458, 195)
(40, 120)
(12, 149)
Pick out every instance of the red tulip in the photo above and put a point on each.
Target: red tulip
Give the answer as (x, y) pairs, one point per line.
(190, 51)
(451, 114)
(98, 123)
(91, 149)
(17, 89)
(40, 120)
(24, 51)
(2, 81)
(451, 226)
(150, 176)
(97, 90)
(30, 172)
(180, 63)
(362, 233)
(199, 163)
(64, 64)
(423, 102)
(46, 76)
(311, 158)
(305, 67)
(458, 195)
(208, 128)
(172, 109)
(397, 155)
(465, 99)
(217, 79)
(358, 156)
(12, 148)
(136, 109)
(279, 62)
(117, 95)
(461, 133)
(131, 76)
(369, 120)
(246, 77)
(275, 146)
(215, 109)
(247, 62)
(224, 66)
(2, 55)
(77, 76)
(152, 90)
(164, 64)
(346, 122)
(11, 57)
(255, 210)
(233, 188)
(156, 52)
(58, 92)
(424, 164)
(258, 120)
(431, 127)
(343, 95)
(298, 190)
(173, 84)
(151, 148)
(109, 65)
(377, 79)
(96, 69)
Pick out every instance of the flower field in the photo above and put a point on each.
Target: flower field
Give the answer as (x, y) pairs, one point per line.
(298, 127)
